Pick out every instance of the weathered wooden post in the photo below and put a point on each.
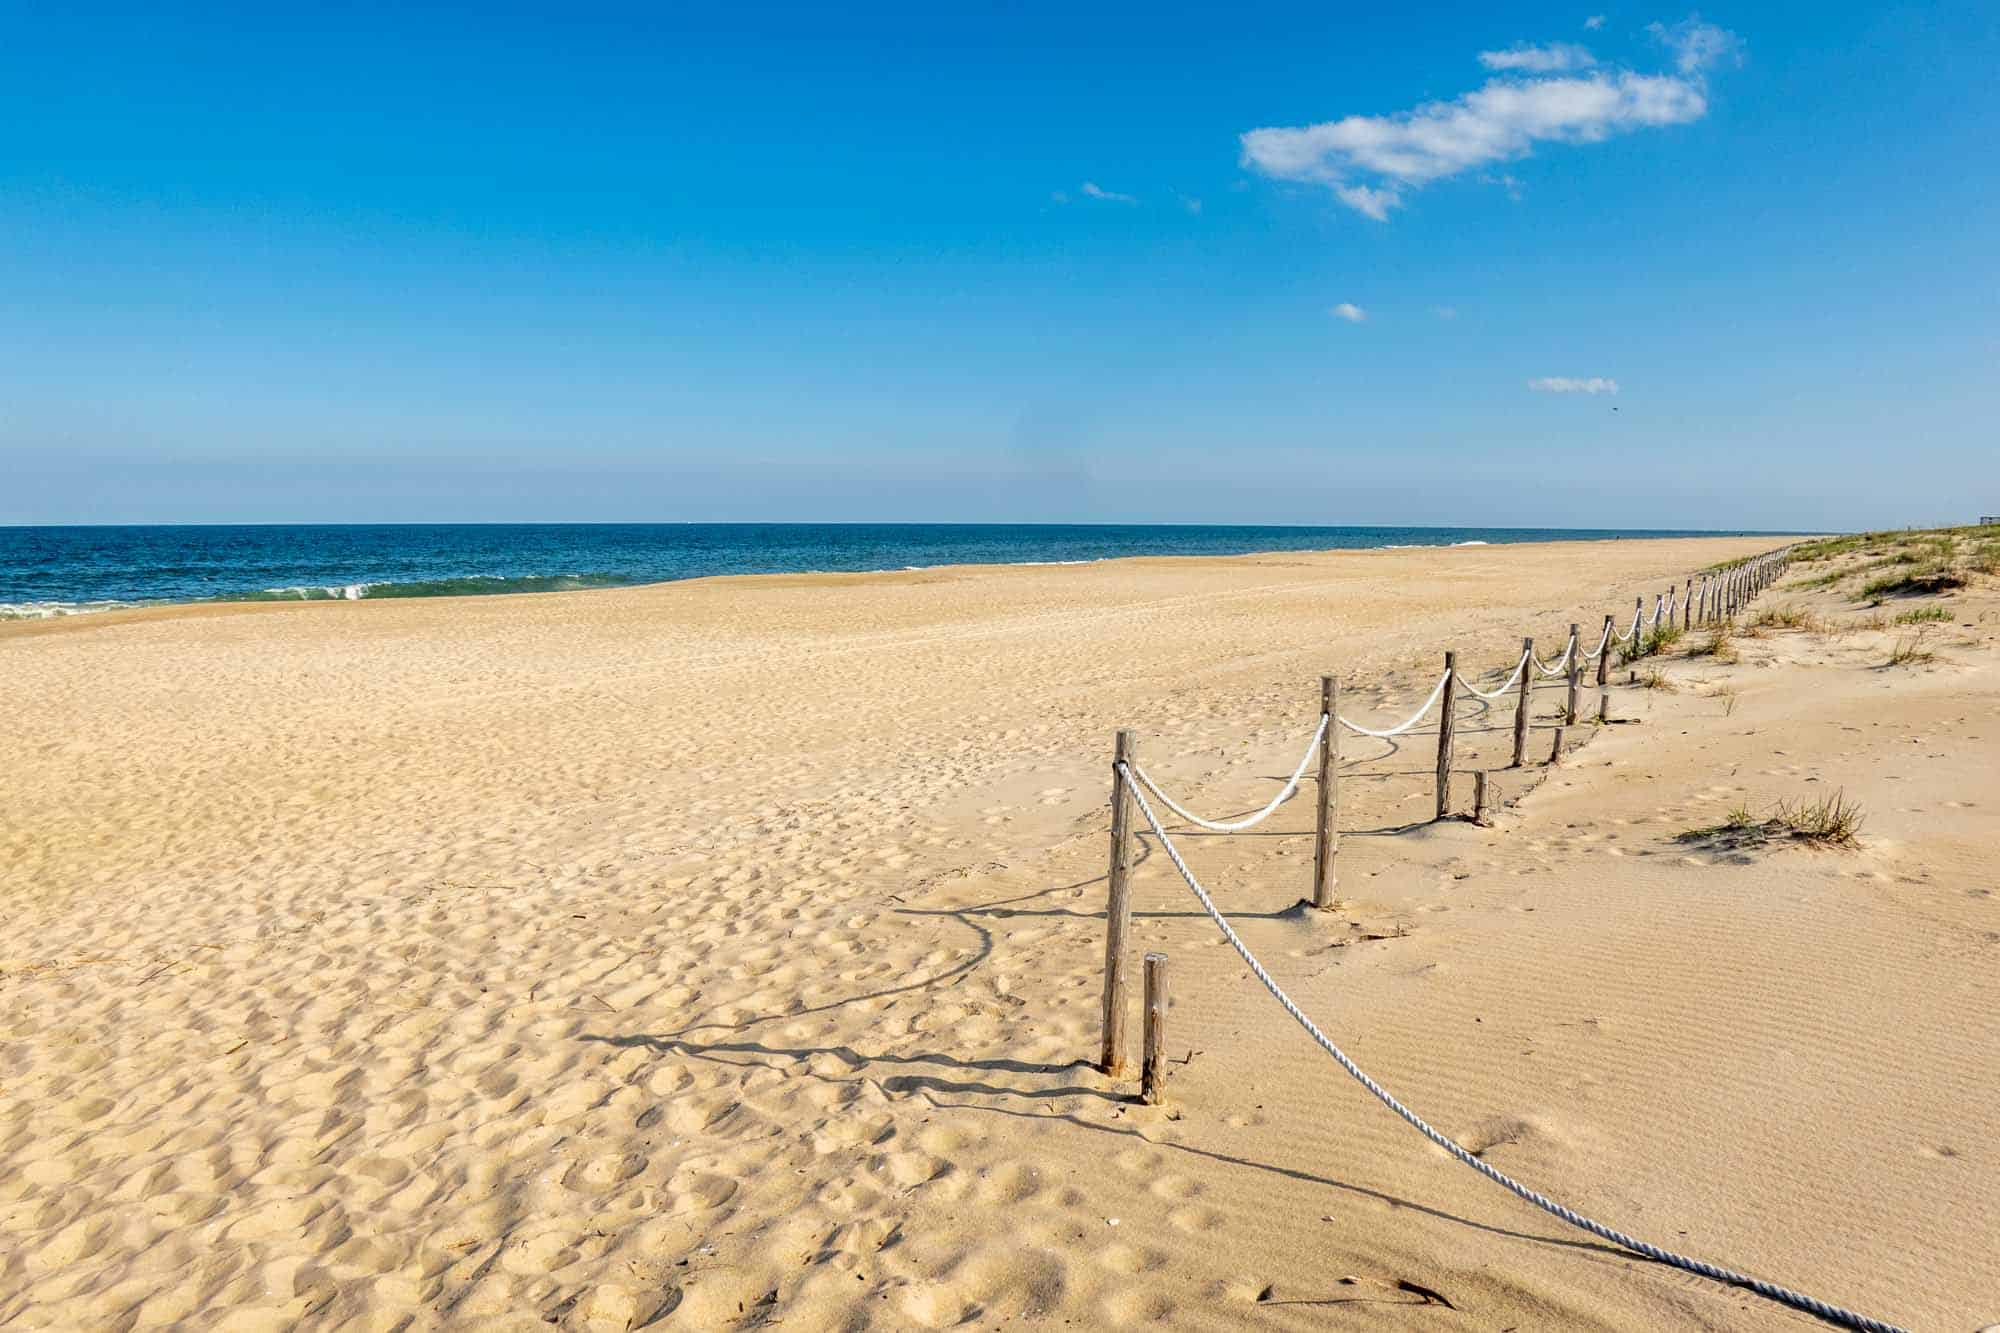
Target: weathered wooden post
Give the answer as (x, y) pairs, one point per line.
(1687, 606)
(1326, 835)
(1479, 796)
(1575, 675)
(1521, 707)
(1118, 907)
(1638, 629)
(1447, 707)
(1153, 1070)
(1604, 675)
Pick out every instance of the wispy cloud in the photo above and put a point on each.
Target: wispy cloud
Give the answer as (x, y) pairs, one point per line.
(1446, 312)
(1564, 384)
(1553, 58)
(1372, 163)
(1092, 190)
(1189, 202)
(1697, 46)
(1350, 312)
(1593, 23)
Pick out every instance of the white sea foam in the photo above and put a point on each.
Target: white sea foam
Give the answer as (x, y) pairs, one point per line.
(335, 592)
(51, 610)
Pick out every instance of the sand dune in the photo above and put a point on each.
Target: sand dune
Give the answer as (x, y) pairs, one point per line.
(726, 954)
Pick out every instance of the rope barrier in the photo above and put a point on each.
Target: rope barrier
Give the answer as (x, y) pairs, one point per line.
(1833, 1314)
(1561, 663)
(1500, 689)
(1412, 721)
(1312, 748)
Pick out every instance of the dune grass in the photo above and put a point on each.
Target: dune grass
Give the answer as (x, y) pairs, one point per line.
(1910, 652)
(1926, 579)
(1830, 821)
(1923, 615)
(1720, 645)
(1785, 617)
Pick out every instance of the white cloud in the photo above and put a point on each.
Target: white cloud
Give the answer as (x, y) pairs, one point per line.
(1446, 312)
(1093, 190)
(1372, 163)
(1697, 46)
(1189, 202)
(1564, 384)
(1365, 199)
(1551, 59)
(1593, 23)
(1350, 312)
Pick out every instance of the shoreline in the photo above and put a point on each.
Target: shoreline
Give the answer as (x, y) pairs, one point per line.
(141, 611)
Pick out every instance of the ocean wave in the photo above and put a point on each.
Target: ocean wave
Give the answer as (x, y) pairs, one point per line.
(1426, 546)
(51, 610)
(465, 585)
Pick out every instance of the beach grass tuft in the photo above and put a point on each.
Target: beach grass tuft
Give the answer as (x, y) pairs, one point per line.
(1923, 615)
(1831, 820)
(1720, 645)
(1910, 652)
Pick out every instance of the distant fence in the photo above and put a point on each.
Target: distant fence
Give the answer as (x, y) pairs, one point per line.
(1720, 596)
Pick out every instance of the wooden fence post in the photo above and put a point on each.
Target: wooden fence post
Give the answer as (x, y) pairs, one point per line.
(1447, 707)
(1687, 606)
(1118, 908)
(1153, 1072)
(1326, 836)
(1479, 796)
(1604, 675)
(1575, 675)
(1521, 707)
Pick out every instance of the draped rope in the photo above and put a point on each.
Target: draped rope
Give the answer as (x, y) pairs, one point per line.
(1405, 725)
(1312, 748)
(1500, 689)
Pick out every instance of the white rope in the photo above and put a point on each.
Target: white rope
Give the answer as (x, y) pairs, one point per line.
(1412, 720)
(1500, 689)
(1312, 748)
(1770, 1291)
(1561, 663)
(1602, 644)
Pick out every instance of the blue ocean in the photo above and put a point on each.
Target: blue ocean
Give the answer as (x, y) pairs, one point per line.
(48, 571)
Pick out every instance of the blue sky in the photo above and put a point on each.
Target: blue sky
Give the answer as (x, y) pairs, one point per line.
(1252, 263)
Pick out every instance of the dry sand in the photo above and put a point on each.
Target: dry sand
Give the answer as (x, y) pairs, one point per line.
(727, 954)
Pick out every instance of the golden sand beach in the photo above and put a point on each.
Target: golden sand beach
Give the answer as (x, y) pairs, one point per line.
(727, 954)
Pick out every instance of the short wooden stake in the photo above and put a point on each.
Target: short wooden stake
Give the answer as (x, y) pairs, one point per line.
(1479, 796)
(1447, 706)
(1153, 1075)
(1118, 908)
(1604, 675)
(1556, 748)
(1521, 707)
(1326, 835)
(1575, 676)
